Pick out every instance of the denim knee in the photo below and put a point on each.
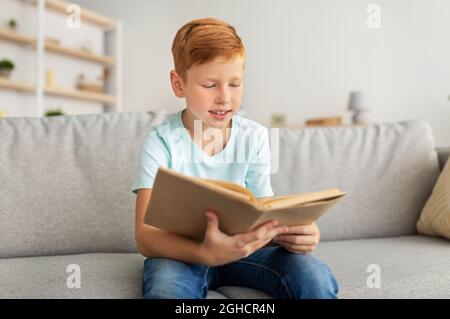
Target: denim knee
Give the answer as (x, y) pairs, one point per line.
(308, 278)
(171, 279)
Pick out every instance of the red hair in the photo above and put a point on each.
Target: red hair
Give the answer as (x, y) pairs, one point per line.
(203, 40)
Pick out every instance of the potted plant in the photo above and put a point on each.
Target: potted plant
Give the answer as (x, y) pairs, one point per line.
(6, 66)
(12, 24)
(54, 112)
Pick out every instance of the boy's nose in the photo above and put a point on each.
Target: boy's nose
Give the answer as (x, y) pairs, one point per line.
(223, 102)
(223, 97)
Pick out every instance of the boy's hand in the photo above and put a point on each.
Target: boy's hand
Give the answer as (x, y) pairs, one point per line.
(220, 249)
(300, 239)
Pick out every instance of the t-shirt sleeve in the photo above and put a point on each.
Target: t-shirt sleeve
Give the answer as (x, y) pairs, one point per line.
(257, 179)
(153, 154)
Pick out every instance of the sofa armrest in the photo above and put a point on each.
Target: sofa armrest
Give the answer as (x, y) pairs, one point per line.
(443, 155)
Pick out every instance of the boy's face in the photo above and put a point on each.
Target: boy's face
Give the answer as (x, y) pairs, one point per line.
(211, 89)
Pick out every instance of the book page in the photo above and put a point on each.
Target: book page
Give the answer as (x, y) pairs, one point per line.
(234, 187)
(298, 199)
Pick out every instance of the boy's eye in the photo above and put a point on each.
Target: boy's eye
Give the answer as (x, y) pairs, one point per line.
(209, 86)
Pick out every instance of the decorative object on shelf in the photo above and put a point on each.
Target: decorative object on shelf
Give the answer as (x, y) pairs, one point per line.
(12, 24)
(91, 86)
(6, 66)
(278, 120)
(50, 77)
(54, 112)
(87, 46)
(324, 121)
(358, 105)
(52, 40)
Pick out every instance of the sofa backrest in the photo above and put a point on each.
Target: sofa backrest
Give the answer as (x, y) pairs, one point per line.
(65, 183)
(387, 169)
(443, 155)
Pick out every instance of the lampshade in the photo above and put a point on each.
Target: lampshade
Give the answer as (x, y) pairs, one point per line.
(357, 102)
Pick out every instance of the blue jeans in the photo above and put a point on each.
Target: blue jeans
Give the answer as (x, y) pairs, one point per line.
(273, 270)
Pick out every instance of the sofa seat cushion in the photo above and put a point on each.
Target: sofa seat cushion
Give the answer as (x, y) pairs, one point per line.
(410, 266)
(108, 276)
(102, 276)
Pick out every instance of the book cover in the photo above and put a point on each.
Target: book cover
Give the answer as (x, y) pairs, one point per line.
(178, 204)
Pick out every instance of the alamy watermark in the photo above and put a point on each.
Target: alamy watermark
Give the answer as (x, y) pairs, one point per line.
(211, 144)
(373, 20)
(73, 20)
(74, 279)
(374, 279)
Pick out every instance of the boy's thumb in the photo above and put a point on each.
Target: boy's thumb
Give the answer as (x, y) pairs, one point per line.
(213, 220)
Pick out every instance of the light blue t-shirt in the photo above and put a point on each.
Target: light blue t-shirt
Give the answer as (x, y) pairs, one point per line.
(245, 160)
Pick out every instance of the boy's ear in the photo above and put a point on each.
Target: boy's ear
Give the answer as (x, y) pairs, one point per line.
(177, 84)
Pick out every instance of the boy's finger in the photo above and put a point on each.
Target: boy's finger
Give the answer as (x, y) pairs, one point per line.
(259, 244)
(296, 239)
(302, 229)
(300, 248)
(258, 234)
(277, 231)
(212, 220)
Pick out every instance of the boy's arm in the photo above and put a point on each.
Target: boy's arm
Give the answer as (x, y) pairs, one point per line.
(155, 242)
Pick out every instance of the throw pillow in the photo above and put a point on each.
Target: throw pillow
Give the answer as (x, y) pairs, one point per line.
(435, 217)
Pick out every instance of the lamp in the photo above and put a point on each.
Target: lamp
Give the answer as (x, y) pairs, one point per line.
(358, 105)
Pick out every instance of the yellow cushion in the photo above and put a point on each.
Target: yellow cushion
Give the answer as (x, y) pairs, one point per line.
(435, 217)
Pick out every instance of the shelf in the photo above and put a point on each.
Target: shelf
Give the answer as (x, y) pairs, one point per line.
(86, 15)
(16, 85)
(61, 92)
(8, 35)
(56, 48)
(12, 36)
(81, 95)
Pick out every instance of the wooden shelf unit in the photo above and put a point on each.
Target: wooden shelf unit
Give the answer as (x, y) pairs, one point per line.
(42, 45)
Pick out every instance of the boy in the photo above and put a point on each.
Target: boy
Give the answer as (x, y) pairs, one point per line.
(209, 63)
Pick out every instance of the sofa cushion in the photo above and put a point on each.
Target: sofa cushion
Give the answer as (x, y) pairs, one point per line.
(66, 181)
(387, 169)
(435, 217)
(101, 276)
(410, 266)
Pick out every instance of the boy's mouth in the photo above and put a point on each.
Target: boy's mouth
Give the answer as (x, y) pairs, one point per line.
(220, 112)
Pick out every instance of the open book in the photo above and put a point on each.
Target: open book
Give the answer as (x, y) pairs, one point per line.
(178, 204)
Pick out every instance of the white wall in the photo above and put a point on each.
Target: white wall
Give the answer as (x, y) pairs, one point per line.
(304, 57)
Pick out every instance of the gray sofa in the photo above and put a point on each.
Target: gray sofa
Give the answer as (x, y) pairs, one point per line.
(65, 199)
